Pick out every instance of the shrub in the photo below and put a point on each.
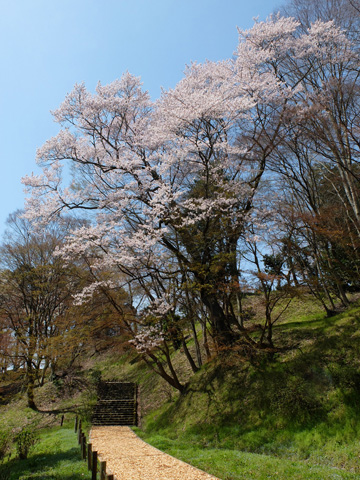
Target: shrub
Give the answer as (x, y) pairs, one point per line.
(295, 400)
(5, 441)
(5, 475)
(25, 441)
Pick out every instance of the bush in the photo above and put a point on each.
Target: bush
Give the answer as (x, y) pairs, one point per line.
(295, 400)
(5, 475)
(25, 441)
(5, 441)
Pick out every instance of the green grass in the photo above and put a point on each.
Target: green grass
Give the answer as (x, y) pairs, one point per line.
(293, 416)
(55, 457)
(235, 465)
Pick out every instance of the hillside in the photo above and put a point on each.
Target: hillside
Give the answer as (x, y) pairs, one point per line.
(300, 405)
(295, 413)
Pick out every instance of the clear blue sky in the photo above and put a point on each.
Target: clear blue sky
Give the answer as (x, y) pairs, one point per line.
(49, 45)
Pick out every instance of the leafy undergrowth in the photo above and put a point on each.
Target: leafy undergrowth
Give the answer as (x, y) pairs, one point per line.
(55, 457)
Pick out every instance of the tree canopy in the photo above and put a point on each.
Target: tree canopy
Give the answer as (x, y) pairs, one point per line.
(244, 177)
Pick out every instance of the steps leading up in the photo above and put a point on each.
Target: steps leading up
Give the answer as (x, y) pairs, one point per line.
(117, 404)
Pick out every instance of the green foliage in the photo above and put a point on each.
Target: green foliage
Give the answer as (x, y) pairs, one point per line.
(5, 475)
(5, 442)
(25, 441)
(273, 263)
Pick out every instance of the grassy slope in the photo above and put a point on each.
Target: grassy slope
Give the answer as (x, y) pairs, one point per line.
(300, 411)
(55, 457)
(230, 464)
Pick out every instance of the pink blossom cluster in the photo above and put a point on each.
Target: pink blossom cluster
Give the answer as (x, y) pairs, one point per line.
(148, 339)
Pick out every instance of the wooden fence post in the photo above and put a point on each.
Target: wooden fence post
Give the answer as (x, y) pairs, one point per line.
(83, 446)
(89, 447)
(62, 420)
(76, 424)
(102, 470)
(93, 465)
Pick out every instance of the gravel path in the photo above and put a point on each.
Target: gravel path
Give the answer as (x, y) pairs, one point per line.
(130, 458)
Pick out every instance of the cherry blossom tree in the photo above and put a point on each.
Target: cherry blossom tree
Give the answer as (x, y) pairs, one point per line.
(169, 187)
(174, 180)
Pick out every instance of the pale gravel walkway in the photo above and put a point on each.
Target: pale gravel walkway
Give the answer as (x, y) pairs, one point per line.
(130, 458)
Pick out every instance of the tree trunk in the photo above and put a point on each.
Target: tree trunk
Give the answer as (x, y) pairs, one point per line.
(205, 341)
(159, 369)
(192, 364)
(196, 341)
(30, 386)
(222, 334)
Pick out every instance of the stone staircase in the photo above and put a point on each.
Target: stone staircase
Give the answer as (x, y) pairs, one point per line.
(117, 404)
